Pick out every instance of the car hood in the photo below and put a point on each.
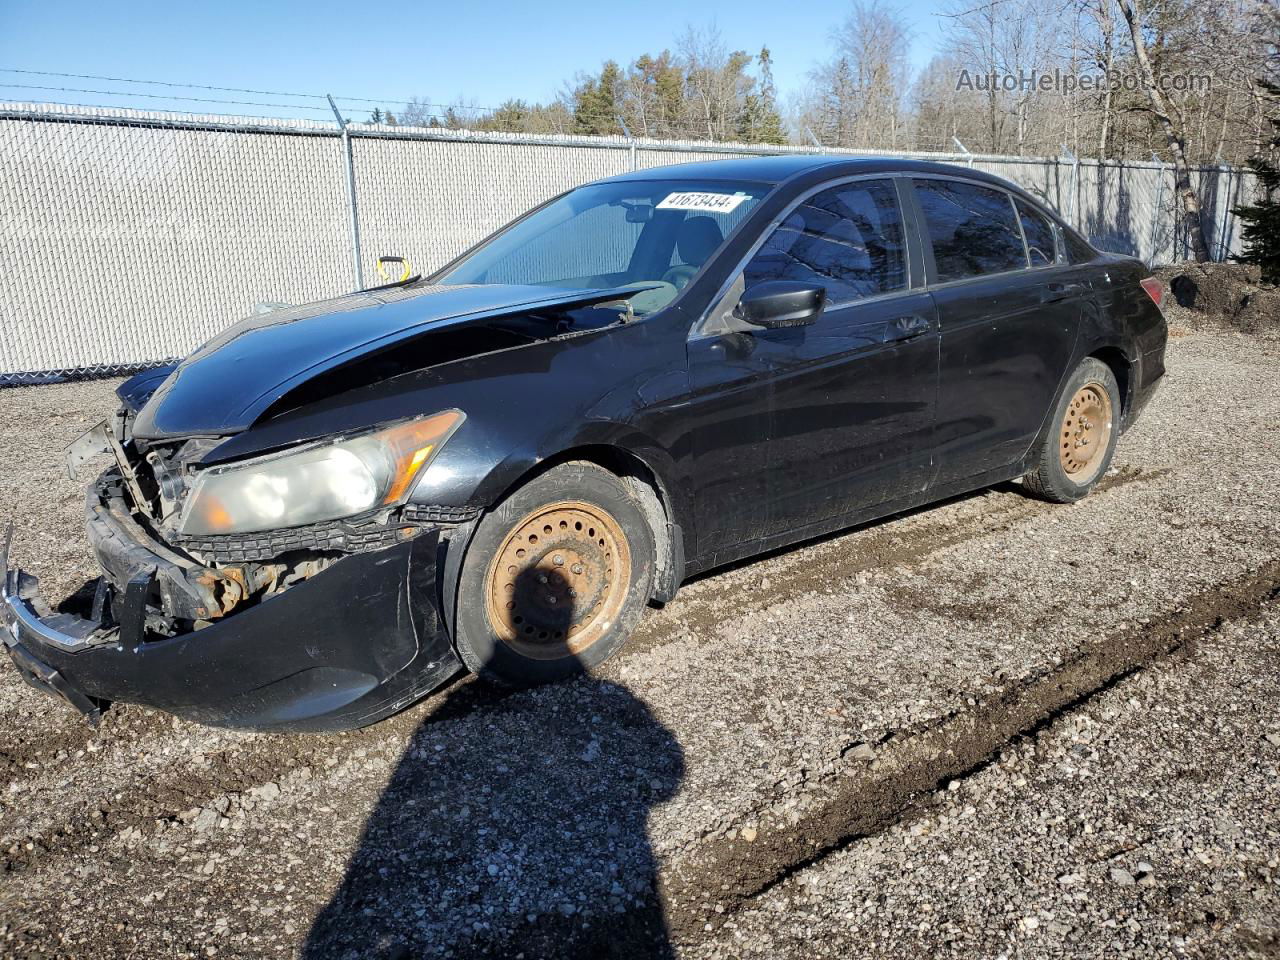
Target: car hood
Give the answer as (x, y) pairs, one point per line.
(233, 379)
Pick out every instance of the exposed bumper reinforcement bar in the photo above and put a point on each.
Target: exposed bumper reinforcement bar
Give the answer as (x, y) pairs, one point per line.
(20, 617)
(355, 643)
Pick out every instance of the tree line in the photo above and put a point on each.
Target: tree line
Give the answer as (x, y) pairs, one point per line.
(700, 91)
(1131, 74)
(1182, 81)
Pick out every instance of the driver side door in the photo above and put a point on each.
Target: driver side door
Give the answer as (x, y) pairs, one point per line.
(818, 422)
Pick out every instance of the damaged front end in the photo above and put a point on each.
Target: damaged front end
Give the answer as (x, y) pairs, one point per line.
(265, 561)
(236, 628)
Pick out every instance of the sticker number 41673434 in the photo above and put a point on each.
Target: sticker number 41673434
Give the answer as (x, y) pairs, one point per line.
(707, 202)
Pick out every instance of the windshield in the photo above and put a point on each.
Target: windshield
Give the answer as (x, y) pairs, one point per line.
(606, 235)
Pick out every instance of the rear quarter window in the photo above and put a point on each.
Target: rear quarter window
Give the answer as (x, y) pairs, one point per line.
(972, 228)
(1078, 251)
(1040, 235)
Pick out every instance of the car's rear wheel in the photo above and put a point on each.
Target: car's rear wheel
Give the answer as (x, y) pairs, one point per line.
(1076, 452)
(555, 578)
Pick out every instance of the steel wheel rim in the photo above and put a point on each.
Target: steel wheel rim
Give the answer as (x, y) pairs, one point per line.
(1086, 433)
(559, 580)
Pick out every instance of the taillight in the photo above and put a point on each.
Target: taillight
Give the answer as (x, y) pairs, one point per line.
(1155, 290)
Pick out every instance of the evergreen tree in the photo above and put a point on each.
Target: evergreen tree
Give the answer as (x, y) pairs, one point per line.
(376, 116)
(597, 102)
(760, 121)
(1261, 221)
(669, 87)
(836, 102)
(513, 115)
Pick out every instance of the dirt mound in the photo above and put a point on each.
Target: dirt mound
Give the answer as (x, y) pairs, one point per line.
(1221, 294)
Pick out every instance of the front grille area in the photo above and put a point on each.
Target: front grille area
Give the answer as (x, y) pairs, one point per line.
(271, 544)
(424, 513)
(336, 537)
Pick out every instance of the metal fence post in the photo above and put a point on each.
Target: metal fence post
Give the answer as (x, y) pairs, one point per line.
(1155, 214)
(1074, 219)
(631, 141)
(357, 270)
(1230, 228)
(963, 149)
(1226, 212)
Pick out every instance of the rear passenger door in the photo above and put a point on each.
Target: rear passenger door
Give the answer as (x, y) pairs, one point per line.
(1009, 308)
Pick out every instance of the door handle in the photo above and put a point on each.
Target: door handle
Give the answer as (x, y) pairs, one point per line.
(907, 328)
(1061, 291)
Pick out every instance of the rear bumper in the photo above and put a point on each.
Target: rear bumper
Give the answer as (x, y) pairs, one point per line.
(356, 642)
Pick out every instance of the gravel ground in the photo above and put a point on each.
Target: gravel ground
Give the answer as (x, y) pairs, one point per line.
(766, 769)
(1142, 823)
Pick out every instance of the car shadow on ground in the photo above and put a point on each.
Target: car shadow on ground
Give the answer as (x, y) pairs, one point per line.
(521, 827)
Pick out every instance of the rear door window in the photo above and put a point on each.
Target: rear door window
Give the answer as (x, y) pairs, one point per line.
(848, 239)
(972, 228)
(1041, 246)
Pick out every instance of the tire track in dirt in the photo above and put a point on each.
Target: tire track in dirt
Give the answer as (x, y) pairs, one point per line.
(861, 798)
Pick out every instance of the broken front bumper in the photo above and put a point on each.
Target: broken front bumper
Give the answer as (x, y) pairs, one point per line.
(352, 644)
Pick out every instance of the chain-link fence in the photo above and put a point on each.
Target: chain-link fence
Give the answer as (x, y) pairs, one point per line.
(129, 237)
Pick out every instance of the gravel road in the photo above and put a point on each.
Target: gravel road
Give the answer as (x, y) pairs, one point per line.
(991, 727)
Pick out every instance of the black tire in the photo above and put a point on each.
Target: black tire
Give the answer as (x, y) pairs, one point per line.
(1068, 434)
(531, 628)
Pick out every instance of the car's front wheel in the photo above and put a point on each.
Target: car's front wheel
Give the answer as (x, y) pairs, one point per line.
(1077, 450)
(555, 578)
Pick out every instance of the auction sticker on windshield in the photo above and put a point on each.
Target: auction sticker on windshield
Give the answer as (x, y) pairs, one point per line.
(708, 202)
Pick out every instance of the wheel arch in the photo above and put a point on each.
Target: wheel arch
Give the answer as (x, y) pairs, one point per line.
(1121, 368)
(651, 488)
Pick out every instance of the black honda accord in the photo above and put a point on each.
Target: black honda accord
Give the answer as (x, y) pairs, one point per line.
(327, 511)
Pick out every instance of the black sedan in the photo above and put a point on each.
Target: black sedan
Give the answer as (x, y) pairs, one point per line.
(327, 511)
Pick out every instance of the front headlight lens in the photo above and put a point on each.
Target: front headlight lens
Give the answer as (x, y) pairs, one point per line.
(323, 482)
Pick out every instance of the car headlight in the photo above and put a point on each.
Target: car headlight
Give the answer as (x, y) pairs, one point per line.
(326, 481)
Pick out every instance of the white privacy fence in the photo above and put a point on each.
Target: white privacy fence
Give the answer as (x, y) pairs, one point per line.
(129, 237)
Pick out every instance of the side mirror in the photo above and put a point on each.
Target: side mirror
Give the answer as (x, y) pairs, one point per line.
(781, 303)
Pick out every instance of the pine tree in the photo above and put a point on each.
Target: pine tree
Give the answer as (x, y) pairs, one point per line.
(597, 102)
(669, 88)
(1261, 221)
(768, 128)
(837, 104)
(376, 116)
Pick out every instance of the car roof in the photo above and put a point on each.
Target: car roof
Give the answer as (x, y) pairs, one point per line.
(776, 169)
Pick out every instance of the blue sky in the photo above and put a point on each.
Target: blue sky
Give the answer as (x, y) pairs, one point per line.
(481, 53)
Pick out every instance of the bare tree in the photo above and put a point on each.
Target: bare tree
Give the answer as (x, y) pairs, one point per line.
(1172, 123)
(974, 37)
(874, 42)
(716, 80)
(856, 98)
(1002, 39)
